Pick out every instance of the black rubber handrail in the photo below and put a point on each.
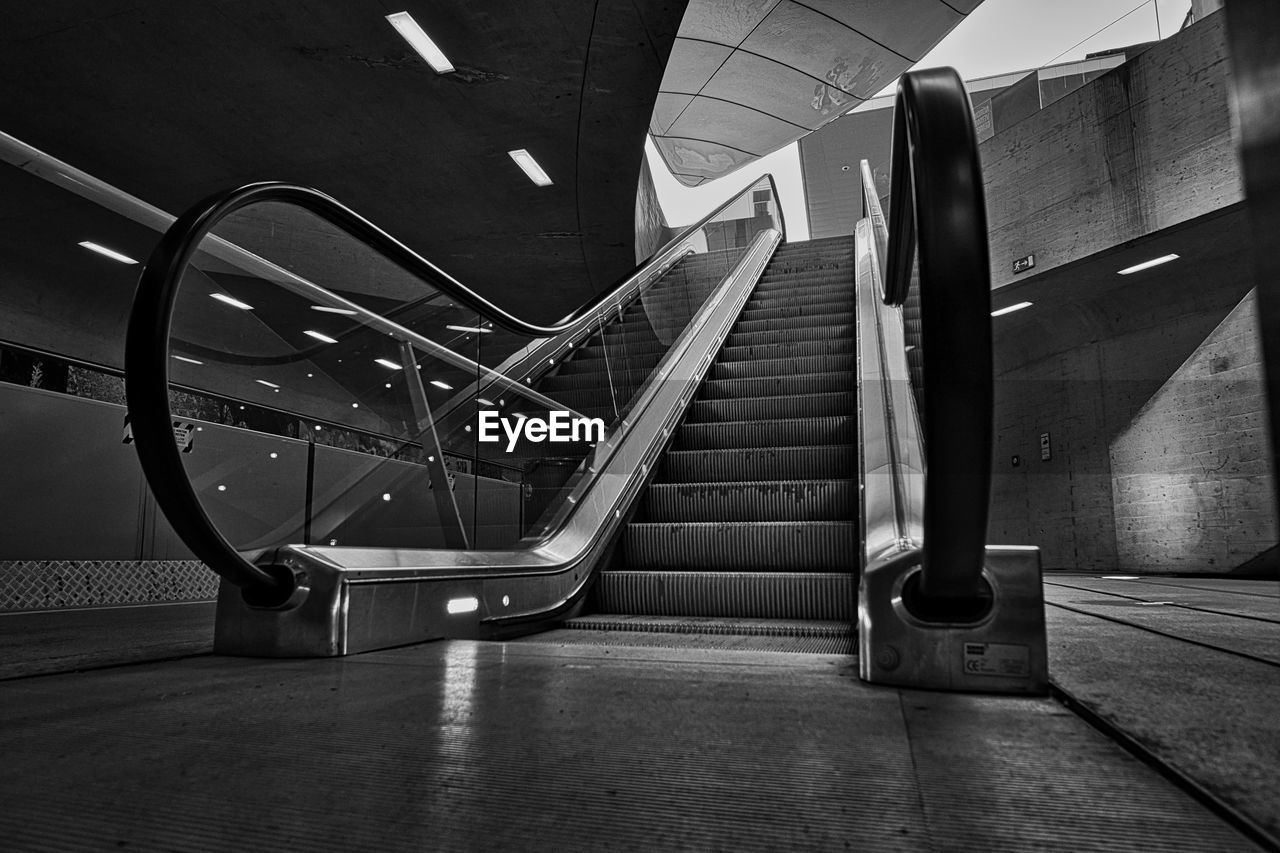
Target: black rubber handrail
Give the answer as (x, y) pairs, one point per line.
(937, 206)
(147, 348)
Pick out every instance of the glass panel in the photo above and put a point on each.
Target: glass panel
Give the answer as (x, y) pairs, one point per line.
(324, 394)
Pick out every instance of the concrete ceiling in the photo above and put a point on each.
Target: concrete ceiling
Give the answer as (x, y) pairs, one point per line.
(173, 101)
(747, 77)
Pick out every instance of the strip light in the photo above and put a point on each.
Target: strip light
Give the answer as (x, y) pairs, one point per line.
(320, 336)
(326, 309)
(265, 382)
(187, 360)
(530, 166)
(446, 386)
(475, 329)
(418, 39)
(234, 303)
(1009, 310)
(385, 362)
(1146, 265)
(109, 253)
(463, 605)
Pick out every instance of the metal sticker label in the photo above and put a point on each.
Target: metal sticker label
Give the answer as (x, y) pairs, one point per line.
(998, 659)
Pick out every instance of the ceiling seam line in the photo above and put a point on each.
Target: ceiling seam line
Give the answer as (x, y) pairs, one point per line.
(723, 61)
(855, 30)
(736, 104)
(709, 142)
(577, 153)
(778, 62)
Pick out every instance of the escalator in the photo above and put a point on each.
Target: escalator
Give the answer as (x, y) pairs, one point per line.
(758, 468)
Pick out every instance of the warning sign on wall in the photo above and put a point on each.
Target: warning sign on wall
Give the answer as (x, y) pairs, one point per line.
(184, 434)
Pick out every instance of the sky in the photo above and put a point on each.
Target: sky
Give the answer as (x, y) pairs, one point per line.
(999, 37)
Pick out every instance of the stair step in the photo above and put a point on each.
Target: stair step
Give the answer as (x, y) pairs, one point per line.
(776, 500)
(783, 432)
(744, 465)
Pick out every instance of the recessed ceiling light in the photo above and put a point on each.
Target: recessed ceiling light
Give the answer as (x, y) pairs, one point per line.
(531, 168)
(326, 309)
(418, 39)
(107, 253)
(1146, 265)
(320, 336)
(1010, 309)
(265, 382)
(476, 329)
(234, 303)
(446, 386)
(388, 363)
(187, 360)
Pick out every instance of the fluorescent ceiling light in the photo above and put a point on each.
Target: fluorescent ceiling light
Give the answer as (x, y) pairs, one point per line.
(265, 382)
(326, 309)
(417, 38)
(234, 303)
(187, 360)
(320, 336)
(531, 168)
(1146, 265)
(446, 386)
(1011, 309)
(109, 253)
(476, 329)
(388, 363)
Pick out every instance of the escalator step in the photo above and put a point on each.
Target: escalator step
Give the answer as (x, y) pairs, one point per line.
(748, 368)
(769, 408)
(743, 545)
(768, 386)
(783, 336)
(784, 432)
(777, 500)
(794, 305)
(790, 351)
(758, 463)
(770, 324)
(767, 595)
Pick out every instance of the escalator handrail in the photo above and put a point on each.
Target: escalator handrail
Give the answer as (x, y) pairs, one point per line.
(147, 342)
(937, 206)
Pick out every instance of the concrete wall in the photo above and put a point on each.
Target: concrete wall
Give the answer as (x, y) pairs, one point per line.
(1143, 147)
(1191, 477)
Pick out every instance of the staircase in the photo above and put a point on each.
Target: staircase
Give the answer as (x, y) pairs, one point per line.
(750, 524)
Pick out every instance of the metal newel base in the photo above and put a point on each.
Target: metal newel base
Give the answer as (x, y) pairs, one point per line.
(1003, 652)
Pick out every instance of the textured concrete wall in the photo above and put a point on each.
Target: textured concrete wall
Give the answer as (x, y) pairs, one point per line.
(1084, 396)
(1141, 148)
(1191, 476)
